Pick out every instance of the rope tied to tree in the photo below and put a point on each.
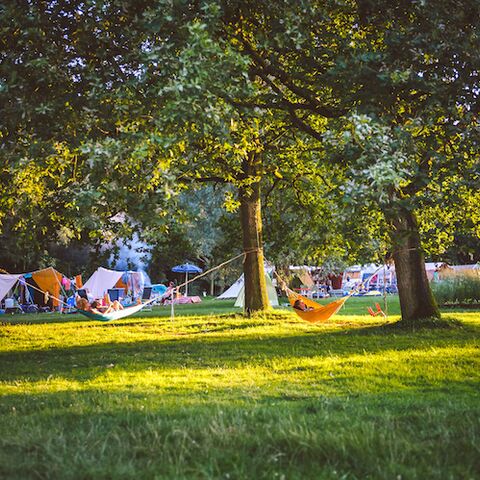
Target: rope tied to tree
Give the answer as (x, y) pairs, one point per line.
(217, 267)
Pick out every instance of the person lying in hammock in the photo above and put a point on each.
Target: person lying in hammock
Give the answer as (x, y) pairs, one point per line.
(97, 307)
(300, 305)
(82, 303)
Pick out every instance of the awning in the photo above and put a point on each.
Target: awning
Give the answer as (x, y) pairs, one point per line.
(7, 281)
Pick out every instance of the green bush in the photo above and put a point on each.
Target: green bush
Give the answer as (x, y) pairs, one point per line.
(457, 290)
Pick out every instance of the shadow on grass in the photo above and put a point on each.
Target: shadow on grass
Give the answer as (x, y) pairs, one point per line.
(191, 350)
(400, 327)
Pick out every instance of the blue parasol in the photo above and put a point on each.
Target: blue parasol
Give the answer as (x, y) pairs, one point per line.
(186, 268)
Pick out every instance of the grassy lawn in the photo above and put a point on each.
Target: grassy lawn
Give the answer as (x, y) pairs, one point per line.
(215, 395)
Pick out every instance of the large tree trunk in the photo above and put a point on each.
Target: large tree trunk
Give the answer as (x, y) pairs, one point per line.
(416, 298)
(256, 297)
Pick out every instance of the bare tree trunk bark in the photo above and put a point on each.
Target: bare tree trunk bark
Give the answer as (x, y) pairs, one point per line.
(416, 298)
(256, 297)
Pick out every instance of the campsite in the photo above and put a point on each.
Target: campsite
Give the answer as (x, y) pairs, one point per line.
(213, 394)
(196, 394)
(240, 239)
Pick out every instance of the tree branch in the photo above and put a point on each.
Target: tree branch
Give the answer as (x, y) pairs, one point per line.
(265, 70)
(299, 123)
(213, 179)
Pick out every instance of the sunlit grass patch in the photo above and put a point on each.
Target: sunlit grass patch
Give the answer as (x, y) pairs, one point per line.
(223, 396)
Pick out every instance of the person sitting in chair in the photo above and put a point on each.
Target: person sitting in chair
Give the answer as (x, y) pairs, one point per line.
(300, 305)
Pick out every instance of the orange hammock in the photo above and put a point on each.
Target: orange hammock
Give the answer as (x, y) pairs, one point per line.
(320, 313)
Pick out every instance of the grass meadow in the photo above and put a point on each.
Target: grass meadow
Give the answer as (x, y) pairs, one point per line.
(212, 394)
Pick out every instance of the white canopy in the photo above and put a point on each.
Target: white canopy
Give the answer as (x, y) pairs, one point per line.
(101, 280)
(7, 281)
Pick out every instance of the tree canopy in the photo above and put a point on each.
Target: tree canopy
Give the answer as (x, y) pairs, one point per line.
(365, 112)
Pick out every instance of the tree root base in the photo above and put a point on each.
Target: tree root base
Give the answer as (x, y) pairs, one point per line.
(431, 323)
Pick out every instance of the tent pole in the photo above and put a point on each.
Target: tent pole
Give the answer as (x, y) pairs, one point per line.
(172, 311)
(186, 284)
(385, 305)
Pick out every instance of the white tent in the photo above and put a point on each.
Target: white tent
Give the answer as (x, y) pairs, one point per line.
(271, 292)
(233, 291)
(100, 281)
(7, 281)
(237, 291)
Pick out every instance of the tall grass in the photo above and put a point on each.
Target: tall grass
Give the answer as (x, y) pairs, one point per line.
(461, 289)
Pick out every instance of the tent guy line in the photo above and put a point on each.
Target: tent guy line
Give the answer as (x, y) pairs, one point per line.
(243, 254)
(217, 267)
(38, 289)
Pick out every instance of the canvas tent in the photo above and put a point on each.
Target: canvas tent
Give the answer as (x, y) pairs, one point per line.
(233, 291)
(49, 280)
(271, 292)
(237, 291)
(302, 276)
(100, 281)
(7, 282)
(104, 279)
(45, 280)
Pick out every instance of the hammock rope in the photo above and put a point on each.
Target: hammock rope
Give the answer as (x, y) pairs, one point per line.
(115, 315)
(316, 312)
(118, 314)
(194, 279)
(33, 287)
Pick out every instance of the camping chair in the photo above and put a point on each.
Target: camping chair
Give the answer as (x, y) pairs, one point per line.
(82, 293)
(116, 293)
(70, 306)
(147, 293)
(12, 306)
